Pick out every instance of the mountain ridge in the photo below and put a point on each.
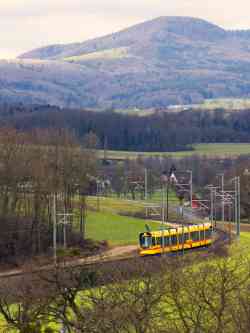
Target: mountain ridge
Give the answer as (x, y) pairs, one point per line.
(164, 61)
(148, 27)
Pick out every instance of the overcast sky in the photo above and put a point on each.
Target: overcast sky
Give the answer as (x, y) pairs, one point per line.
(27, 24)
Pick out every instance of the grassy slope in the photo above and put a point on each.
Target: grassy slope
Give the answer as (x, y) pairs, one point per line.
(116, 53)
(242, 246)
(124, 205)
(115, 205)
(107, 224)
(225, 103)
(209, 149)
(118, 230)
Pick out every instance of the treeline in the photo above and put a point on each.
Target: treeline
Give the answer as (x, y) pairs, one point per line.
(161, 131)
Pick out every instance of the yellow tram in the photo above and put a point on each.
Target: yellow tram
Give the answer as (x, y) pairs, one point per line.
(175, 239)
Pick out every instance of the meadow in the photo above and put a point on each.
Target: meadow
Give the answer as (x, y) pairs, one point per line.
(231, 104)
(206, 149)
(115, 220)
(116, 229)
(125, 205)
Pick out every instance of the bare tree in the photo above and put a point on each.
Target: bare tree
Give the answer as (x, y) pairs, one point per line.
(23, 304)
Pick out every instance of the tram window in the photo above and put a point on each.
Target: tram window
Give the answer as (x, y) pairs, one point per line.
(181, 238)
(173, 240)
(166, 241)
(158, 240)
(195, 235)
(208, 233)
(202, 235)
(153, 241)
(145, 241)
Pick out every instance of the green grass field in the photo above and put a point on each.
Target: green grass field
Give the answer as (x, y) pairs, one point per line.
(241, 246)
(127, 206)
(117, 230)
(115, 205)
(157, 197)
(111, 223)
(209, 150)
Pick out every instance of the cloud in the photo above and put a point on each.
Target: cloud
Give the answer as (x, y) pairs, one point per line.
(229, 12)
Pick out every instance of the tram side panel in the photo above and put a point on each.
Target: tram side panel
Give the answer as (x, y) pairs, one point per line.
(157, 242)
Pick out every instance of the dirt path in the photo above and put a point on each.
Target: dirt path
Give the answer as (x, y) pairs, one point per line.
(113, 253)
(121, 250)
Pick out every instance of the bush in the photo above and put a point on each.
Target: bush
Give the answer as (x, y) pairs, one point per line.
(88, 247)
(21, 237)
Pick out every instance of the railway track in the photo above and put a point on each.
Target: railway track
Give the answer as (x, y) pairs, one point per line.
(222, 237)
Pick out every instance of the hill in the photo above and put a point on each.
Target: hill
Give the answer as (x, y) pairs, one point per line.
(166, 61)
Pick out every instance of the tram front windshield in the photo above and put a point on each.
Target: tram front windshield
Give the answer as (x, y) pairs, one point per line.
(145, 241)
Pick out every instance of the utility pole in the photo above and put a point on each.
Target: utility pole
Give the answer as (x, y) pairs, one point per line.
(187, 186)
(212, 206)
(167, 198)
(191, 188)
(170, 180)
(163, 216)
(182, 224)
(236, 181)
(64, 221)
(146, 188)
(190, 183)
(238, 206)
(222, 197)
(146, 184)
(163, 203)
(230, 220)
(212, 210)
(83, 216)
(54, 229)
(222, 203)
(164, 180)
(97, 195)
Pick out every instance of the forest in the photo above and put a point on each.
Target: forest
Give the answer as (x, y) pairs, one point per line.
(160, 131)
(40, 172)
